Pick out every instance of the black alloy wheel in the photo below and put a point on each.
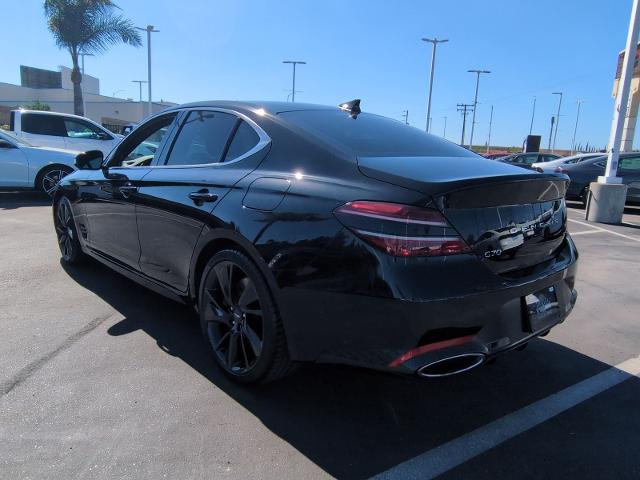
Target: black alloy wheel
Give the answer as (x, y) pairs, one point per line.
(66, 232)
(239, 320)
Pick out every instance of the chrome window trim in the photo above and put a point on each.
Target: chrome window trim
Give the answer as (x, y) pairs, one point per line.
(263, 141)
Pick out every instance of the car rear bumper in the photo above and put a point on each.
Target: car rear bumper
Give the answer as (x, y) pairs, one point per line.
(403, 335)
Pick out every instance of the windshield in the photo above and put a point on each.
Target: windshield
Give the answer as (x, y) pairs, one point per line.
(9, 137)
(372, 135)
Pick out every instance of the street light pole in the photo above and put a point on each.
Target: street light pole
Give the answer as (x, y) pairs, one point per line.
(434, 42)
(533, 115)
(490, 123)
(293, 89)
(575, 129)
(139, 82)
(475, 103)
(444, 132)
(149, 29)
(555, 135)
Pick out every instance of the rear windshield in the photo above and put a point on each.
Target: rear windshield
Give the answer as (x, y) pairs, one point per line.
(372, 135)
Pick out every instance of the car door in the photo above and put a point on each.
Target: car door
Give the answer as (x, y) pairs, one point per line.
(109, 202)
(629, 170)
(43, 130)
(14, 164)
(84, 136)
(211, 152)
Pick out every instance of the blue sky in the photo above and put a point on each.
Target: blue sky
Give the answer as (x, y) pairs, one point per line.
(233, 49)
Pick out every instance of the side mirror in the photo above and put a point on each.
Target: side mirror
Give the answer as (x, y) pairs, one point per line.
(103, 136)
(91, 160)
(6, 144)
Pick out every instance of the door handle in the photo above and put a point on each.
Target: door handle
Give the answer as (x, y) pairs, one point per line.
(202, 196)
(128, 188)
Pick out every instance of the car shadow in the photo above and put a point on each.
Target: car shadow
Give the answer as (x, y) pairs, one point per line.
(355, 423)
(10, 200)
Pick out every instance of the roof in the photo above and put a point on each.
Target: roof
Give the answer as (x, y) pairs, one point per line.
(269, 106)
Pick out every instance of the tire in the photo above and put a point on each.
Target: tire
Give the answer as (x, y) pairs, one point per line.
(67, 233)
(240, 321)
(48, 178)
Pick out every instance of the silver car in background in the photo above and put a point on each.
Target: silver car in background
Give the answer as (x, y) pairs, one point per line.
(551, 166)
(24, 166)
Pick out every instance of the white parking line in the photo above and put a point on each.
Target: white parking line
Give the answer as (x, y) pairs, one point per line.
(584, 232)
(462, 449)
(628, 237)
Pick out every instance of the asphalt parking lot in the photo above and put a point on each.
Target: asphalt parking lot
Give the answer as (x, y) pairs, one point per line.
(100, 378)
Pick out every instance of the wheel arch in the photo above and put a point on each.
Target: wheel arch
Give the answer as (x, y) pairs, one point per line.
(46, 167)
(220, 239)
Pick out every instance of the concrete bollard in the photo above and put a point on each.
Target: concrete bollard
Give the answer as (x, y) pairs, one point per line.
(606, 202)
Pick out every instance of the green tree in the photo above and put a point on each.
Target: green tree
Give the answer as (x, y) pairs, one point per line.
(88, 26)
(37, 105)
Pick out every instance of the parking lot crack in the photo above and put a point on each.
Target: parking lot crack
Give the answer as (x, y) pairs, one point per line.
(27, 371)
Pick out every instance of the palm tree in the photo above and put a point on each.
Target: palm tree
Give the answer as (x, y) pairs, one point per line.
(87, 26)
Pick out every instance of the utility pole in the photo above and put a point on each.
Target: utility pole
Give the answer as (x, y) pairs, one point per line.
(293, 88)
(475, 103)
(434, 42)
(555, 135)
(149, 29)
(553, 119)
(490, 123)
(84, 102)
(405, 114)
(575, 129)
(139, 82)
(533, 115)
(464, 108)
(444, 132)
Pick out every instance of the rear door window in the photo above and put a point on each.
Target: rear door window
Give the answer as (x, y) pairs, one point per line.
(244, 140)
(630, 165)
(202, 138)
(40, 124)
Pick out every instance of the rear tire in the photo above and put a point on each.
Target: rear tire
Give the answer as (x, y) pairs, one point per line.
(240, 321)
(49, 177)
(66, 232)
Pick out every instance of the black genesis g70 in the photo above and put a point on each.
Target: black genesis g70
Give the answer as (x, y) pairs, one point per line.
(306, 233)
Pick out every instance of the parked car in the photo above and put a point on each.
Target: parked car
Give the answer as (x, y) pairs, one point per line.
(305, 233)
(585, 172)
(526, 160)
(559, 162)
(24, 166)
(494, 156)
(61, 130)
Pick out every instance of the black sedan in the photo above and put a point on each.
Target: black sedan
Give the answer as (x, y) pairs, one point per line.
(585, 172)
(304, 233)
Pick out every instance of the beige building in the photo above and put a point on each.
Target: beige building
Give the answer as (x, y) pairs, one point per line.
(56, 90)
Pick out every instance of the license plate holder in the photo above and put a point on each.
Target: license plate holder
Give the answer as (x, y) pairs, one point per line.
(541, 309)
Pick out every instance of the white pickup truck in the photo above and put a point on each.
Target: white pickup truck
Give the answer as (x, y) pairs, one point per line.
(62, 130)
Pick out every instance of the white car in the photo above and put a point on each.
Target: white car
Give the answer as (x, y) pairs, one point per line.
(62, 130)
(550, 167)
(23, 166)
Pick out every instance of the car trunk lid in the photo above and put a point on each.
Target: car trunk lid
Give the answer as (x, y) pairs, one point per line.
(512, 219)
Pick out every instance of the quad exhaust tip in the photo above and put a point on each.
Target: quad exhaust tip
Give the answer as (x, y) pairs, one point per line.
(453, 365)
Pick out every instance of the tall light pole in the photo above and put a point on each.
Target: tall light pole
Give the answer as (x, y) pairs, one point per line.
(444, 131)
(149, 29)
(575, 129)
(139, 82)
(293, 88)
(555, 135)
(434, 42)
(475, 103)
(490, 123)
(533, 115)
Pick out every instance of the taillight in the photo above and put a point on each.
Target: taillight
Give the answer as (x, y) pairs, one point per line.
(401, 230)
